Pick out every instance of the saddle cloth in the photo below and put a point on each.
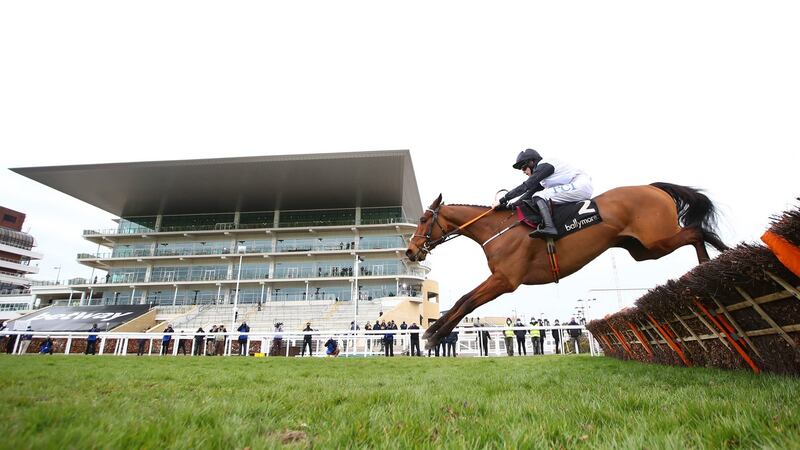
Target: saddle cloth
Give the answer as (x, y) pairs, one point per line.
(568, 217)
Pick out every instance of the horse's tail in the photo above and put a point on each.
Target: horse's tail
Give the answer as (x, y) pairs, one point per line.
(695, 210)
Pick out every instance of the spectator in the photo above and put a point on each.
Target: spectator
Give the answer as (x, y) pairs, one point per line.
(140, 344)
(181, 344)
(277, 340)
(332, 348)
(244, 329)
(574, 334)
(542, 335)
(508, 334)
(556, 336)
(198, 342)
(91, 340)
(47, 347)
(414, 339)
(535, 335)
(222, 337)
(452, 339)
(378, 327)
(388, 340)
(166, 340)
(25, 341)
(307, 340)
(483, 339)
(520, 333)
(368, 327)
(211, 338)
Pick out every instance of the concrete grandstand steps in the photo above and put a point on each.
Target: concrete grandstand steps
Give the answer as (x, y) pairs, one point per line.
(323, 315)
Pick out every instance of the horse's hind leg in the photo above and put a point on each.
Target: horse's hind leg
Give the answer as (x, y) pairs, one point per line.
(490, 289)
(686, 236)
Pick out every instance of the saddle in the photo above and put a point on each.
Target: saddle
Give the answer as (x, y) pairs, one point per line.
(567, 217)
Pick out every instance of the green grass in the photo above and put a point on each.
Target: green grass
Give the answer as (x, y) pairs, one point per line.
(545, 402)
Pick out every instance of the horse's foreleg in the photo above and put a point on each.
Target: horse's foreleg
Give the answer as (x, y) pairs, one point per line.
(493, 287)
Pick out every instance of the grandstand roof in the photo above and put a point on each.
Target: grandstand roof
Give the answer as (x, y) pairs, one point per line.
(258, 183)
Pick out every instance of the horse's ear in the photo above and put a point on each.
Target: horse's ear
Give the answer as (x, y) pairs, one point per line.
(436, 202)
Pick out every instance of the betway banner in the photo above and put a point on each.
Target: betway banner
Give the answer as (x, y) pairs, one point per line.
(81, 318)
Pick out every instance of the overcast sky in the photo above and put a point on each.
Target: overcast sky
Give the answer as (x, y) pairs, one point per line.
(697, 93)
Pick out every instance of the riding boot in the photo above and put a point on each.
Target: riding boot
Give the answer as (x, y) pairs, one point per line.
(546, 229)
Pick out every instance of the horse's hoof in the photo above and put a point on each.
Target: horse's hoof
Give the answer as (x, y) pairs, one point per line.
(430, 345)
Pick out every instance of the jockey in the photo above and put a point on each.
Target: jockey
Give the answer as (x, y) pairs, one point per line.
(547, 180)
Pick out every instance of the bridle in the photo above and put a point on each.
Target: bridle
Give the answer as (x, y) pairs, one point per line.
(429, 244)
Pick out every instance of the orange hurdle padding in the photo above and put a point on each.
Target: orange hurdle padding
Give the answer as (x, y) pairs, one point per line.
(622, 340)
(730, 338)
(787, 253)
(608, 343)
(669, 341)
(641, 338)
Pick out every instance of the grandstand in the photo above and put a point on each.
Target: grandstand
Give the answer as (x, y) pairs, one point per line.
(253, 237)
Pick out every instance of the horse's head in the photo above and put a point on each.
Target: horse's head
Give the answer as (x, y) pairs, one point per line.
(429, 232)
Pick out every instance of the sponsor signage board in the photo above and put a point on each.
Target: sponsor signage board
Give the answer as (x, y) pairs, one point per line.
(80, 318)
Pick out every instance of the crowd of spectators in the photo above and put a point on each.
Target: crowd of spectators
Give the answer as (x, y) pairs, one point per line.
(383, 333)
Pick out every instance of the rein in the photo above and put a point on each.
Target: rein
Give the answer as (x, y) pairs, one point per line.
(428, 246)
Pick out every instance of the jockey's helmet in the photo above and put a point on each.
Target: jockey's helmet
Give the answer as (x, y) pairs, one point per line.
(528, 154)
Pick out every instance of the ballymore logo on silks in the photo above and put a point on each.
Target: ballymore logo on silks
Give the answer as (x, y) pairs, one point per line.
(578, 224)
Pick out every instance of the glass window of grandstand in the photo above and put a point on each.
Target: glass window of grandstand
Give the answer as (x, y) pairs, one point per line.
(199, 296)
(182, 297)
(319, 217)
(208, 272)
(257, 245)
(131, 225)
(131, 250)
(335, 293)
(247, 295)
(121, 298)
(13, 289)
(381, 267)
(343, 268)
(253, 271)
(294, 270)
(168, 274)
(191, 222)
(126, 275)
(14, 306)
(372, 291)
(181, 248)
(381, 215)
(264, 219)
(295, 245)
(410, 289)
(283, 294)
(333, 243)
(380, 242)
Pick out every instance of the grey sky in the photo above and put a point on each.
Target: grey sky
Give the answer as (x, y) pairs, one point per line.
(696, 93)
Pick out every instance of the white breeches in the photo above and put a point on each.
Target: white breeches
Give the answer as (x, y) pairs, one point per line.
(579, 189)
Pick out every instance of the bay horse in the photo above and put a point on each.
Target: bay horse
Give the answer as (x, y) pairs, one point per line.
(648, 221)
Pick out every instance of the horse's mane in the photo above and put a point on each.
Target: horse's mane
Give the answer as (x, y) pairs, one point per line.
(464, 204)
